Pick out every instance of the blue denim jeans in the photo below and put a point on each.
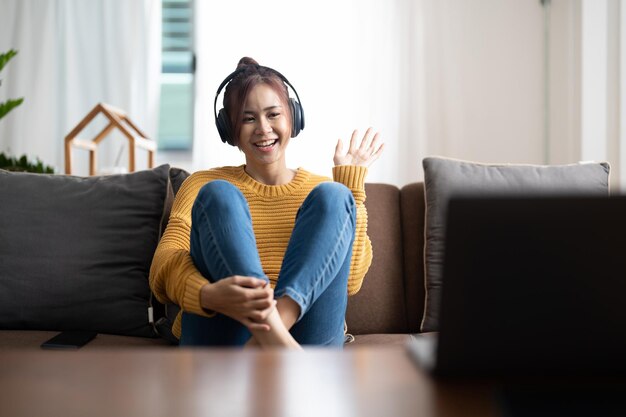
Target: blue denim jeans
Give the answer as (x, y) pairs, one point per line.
(314, 272)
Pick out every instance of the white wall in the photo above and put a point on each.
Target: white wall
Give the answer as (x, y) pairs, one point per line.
(447, 77)
(484, 79)
(594, 79)
(512, 81)
(565, 69)
(587, 78)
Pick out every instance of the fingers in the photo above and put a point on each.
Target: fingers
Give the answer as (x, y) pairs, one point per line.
(353, 141)
(374, 150)
(259, 296)
(337, 158)
(366, 140)
(249, 282)
(260, 316)
(379, 150)
(368, 144)
(369, 149)
(253, 314)
(339, 148)
(255, 320)
(374, 143)
(261, 304)
(251, 325)
(376, 154)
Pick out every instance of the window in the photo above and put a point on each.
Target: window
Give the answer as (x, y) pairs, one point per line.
(177, 77)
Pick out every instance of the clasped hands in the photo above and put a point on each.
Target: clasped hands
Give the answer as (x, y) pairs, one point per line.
(248, 300)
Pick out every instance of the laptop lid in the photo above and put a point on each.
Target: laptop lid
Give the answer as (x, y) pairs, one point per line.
(534, 285)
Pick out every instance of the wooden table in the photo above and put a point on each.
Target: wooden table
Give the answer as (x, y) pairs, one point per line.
(364, 381)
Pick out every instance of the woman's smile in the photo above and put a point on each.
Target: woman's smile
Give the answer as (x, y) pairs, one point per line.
(266, 145)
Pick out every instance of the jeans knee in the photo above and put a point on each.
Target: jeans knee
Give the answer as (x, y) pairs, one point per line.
(219, 195)
(332, 197)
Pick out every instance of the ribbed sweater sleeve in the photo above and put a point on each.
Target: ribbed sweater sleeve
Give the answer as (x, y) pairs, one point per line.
(353, 177)
(173, 276)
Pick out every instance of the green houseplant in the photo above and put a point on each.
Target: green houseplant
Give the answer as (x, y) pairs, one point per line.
(23, 164)
(10, 104)
(7, 162)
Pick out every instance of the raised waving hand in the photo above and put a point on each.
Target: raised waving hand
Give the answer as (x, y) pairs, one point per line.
(363, 154)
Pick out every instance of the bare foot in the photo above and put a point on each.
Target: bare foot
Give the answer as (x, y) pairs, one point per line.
(278, 336)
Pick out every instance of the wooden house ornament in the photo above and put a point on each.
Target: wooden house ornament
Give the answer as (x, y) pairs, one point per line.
(117, 119)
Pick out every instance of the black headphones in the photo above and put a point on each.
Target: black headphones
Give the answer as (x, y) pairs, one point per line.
(222, 121)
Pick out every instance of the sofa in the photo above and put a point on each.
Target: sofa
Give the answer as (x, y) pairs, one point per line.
(394, 302)
(386, 310)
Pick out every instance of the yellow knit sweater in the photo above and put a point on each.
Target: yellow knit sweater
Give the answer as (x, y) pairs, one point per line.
(173, 275)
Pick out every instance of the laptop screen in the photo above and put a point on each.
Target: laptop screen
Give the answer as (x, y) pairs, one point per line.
(534, 285)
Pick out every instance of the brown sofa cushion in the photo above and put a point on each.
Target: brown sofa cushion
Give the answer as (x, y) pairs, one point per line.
(386, 339)
(379, 307)
(412, 207)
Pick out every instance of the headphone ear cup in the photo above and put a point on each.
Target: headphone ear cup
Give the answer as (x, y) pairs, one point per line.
(297, 117)
(223, 127)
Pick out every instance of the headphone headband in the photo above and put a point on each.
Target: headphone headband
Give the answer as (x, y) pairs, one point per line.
(223, 125)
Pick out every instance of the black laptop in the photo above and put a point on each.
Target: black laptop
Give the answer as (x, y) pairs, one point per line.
(531, 286)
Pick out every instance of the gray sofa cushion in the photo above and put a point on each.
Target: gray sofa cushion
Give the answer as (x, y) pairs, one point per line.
(444, 178)
(164, 315)
(76, 252)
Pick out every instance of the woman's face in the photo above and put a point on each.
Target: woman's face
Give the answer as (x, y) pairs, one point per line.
(265, 129)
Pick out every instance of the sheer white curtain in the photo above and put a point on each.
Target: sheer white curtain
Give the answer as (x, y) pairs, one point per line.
(72, 55)
(354, 63)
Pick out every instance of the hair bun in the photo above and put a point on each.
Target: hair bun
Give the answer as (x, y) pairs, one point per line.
(245, 61)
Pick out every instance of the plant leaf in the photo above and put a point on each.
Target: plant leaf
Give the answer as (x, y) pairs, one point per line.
(9, 105)
(24, 165)
(6, 57)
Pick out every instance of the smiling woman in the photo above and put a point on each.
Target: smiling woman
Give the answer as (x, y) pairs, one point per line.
(261, 254)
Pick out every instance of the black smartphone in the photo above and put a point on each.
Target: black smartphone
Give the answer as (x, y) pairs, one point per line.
(69, 340)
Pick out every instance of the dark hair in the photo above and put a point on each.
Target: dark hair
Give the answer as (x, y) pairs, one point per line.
(238, 88)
